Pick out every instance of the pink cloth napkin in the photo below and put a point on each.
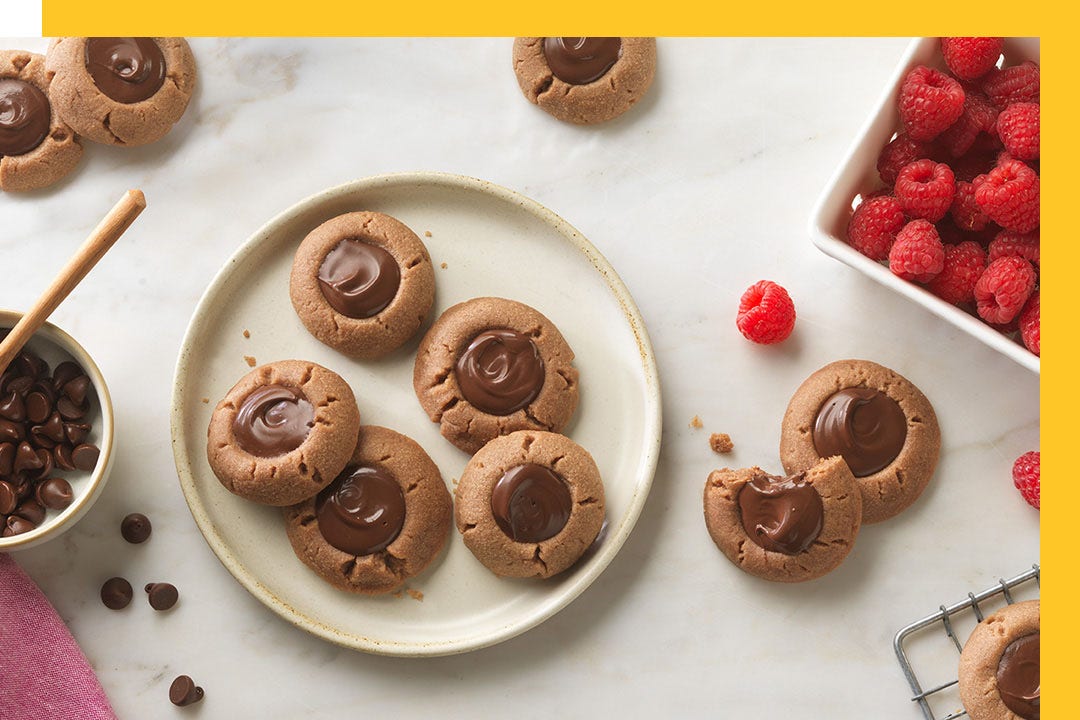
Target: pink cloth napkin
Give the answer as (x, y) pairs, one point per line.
(43, 673)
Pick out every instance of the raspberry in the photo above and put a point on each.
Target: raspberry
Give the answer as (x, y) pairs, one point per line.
(1025, 474)
(1007, 242)
(925, 189)
(978, 116)
(1003, 289)
(917, 253)
(873, 226)
(971, 57)
(964, 263)
(1029, 323)
(1009, 194)
(766, 313)
(965, 211)
(973, 164)
(930, 101)
(1018, 126)
(900, 151)
(1016, 84)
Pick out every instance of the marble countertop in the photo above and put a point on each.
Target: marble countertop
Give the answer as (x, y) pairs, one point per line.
(701, 190)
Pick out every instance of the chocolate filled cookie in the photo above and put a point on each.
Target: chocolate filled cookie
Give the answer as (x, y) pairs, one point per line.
(490, 366)
(121, 91)
(529, 504)
(584, 80)
(362, 283)
(37, 148)
(786, 529)
(283, 432)
(380, 522)
(874, 418)
(999, 667)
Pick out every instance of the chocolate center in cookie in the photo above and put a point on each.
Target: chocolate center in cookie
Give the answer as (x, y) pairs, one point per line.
(273, 420)
(359, 279)
(1018, 676)
(580, 61)
(24, 117)
(784, 515)
(531, 503)
(500, 372)
(862, 425)
(128, 70)
(362, 511)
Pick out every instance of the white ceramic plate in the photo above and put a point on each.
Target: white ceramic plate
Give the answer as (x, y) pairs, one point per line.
(493, 242)
(858, 174)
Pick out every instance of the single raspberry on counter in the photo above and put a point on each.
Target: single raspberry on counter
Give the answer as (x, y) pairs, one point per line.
(963, 265)
(1016, 84)
(1018, 126)
(917, 253)
(1029, 324)
(971, 57)
(930, 101)
(766, 313)
(965, 211)
(1009, 195)
(900, 151)
(1003, 288)
(1007, 242)
(1025, 474)
(979, 116)
(873, 226)
(925, 189)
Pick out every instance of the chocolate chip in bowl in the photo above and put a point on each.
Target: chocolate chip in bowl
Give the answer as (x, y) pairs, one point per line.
(56, 435)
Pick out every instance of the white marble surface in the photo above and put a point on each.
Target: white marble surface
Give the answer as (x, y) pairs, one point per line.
(701, 190)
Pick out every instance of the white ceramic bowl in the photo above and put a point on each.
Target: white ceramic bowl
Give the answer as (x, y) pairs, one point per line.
(55, 346)
(858, 174)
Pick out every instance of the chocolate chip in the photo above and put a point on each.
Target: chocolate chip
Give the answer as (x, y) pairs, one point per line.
(76, 390)
(8, 500)
(54, 428)
(7, 458)
(31, 510)
(30, 365)
(26, 458)
(45, 456)
(69, 410)
(135, 528)
(11, 431)
(85, 456)
(76, 432)
(162, 596)
(17, 526)
(65, 372)
(183, 691)
(12, 407)
(38, 407)
(62, 457)
(20, 385)
(54, 493)
(116, 593)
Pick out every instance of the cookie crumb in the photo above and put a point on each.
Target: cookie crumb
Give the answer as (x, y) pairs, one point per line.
(695, 422)
(206, 401)
(721, 443)
(250, 361)
(427, 233)
(247, 334)
(415, 594)
(442, 265)
(399, 594)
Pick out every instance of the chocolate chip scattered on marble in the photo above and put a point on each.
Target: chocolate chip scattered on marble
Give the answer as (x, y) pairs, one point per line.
(116, 593)
(135, 528)
(184, 691)
(162, 596)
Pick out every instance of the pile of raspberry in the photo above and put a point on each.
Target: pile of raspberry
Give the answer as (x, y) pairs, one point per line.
(959, 212)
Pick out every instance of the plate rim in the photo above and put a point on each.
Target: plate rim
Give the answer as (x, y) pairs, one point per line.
(653, 418)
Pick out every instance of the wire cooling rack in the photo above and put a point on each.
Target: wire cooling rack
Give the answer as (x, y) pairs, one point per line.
(953, 620)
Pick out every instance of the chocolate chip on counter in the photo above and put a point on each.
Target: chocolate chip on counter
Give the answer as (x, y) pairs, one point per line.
(116, 593)
(85, 456)
(16, 525)
(184, 691)
(54, 493)
(135, 528)
(30, 509)
(162, 596)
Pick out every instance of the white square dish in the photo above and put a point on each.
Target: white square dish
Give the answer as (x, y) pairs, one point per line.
(857, 174)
